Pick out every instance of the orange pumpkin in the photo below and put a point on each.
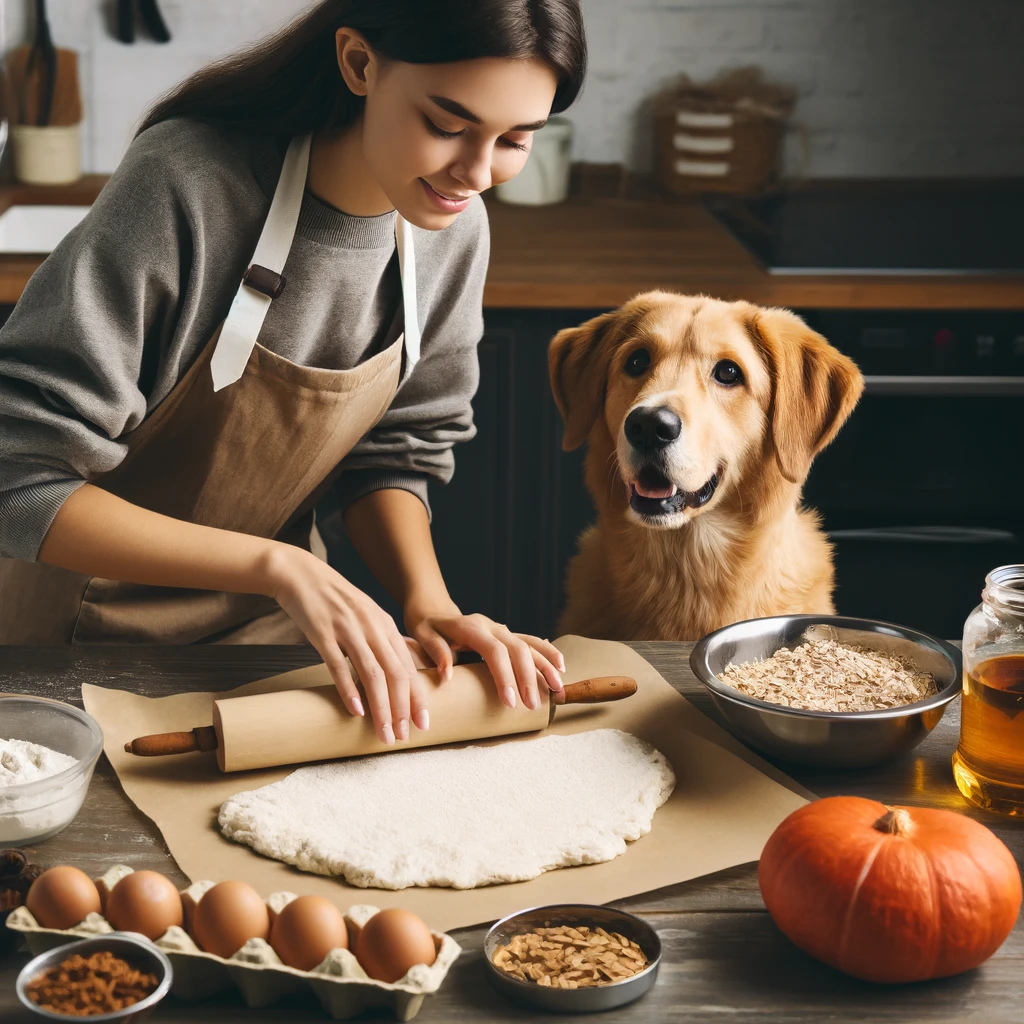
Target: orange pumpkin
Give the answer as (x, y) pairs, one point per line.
(889, 894)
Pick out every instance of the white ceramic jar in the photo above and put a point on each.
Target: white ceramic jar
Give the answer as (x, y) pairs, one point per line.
(544, 178)
(48, 155)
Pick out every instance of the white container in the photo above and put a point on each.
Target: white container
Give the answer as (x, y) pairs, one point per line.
(49, 155)
(544, 178)
(34, 811)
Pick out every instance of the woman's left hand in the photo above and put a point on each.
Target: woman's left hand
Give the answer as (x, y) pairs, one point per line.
(514, 659)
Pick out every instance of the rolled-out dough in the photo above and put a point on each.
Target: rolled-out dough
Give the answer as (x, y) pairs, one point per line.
(461, 817)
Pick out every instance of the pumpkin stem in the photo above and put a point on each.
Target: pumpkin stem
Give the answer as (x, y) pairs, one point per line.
(896, 821)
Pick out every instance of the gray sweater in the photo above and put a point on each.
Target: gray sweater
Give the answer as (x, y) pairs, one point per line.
(113, 318)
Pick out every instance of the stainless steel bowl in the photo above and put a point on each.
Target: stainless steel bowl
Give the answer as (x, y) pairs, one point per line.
(826, 739)
(137, 950)
(579, 1000)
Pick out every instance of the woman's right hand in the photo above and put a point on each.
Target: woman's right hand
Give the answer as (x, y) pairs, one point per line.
(338, 620)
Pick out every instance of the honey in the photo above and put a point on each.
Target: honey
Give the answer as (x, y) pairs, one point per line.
(989, 762)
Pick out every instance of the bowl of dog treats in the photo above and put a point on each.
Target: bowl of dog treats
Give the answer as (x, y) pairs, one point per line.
(828, 690)
(572, 958)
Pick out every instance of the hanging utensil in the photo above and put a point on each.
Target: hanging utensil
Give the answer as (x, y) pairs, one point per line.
(152, 19)
(42, 81)
(36, 100)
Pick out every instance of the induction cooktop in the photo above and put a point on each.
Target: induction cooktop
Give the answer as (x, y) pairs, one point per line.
(921, 229)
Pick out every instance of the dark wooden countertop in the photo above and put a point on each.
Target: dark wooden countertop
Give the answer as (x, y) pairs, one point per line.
(588, 253)
(723, 957)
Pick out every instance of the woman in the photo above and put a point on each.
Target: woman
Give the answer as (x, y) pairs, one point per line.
(167, 431)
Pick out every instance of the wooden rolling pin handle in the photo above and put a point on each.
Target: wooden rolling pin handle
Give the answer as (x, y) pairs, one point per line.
(597, 691)
(203, 737)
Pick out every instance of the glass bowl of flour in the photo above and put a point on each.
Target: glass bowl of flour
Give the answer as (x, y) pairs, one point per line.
(48, 751)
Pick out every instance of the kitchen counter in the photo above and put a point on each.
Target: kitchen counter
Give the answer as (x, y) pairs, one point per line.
(16, 270)
(722, 954)
(595, 253)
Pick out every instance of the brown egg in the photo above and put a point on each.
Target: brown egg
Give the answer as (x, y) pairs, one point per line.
(62, 897)
(145, 902)
(228, 916)
(306, 931)
(391, 942)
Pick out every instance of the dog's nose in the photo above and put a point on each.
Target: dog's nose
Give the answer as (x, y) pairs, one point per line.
(650, 430)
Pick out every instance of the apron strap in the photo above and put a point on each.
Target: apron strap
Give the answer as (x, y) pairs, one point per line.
(407, 270)
(264, 279)
(252, 301)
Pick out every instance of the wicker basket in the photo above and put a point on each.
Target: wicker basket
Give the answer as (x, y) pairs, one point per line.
(724, 136)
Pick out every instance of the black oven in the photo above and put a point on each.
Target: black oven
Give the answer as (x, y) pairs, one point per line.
(922, 492)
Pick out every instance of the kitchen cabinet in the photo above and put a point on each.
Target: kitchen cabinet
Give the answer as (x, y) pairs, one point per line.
(915, 491)
(506, 525)
(919, 488)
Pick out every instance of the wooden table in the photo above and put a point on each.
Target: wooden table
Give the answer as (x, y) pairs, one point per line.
(723, 956)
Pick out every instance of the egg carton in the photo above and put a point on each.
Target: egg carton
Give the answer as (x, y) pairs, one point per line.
(256, 971)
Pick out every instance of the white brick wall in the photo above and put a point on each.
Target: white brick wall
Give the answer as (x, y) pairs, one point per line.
(886, 87)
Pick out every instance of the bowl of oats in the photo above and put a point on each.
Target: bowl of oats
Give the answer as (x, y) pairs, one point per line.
(828, 690)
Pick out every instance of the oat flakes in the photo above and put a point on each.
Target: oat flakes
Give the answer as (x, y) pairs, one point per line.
(823, 675)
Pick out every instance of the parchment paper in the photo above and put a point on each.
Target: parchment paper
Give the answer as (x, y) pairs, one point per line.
(723, 809)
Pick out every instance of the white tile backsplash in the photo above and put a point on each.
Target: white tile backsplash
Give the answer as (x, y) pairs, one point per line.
(886, 87)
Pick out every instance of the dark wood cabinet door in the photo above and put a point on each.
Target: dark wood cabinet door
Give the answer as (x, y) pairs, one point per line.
(544, 502)
(506, 525)
(472, 513)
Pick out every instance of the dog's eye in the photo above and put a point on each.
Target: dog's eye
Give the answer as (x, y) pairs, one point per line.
(727, 372)
(638, 363)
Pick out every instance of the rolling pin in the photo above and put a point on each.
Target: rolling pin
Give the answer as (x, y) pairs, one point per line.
(295, 726)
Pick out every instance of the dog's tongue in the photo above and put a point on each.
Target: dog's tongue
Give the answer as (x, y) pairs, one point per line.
(658, 493)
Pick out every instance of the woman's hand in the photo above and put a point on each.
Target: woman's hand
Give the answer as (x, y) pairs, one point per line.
(514, 659)
(339, 619)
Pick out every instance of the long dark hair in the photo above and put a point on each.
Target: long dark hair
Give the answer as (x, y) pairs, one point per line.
(290, 84)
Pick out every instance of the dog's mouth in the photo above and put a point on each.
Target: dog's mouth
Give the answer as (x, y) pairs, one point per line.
(653, 495)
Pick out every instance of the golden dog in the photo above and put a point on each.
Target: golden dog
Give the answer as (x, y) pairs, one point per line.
(703, 418)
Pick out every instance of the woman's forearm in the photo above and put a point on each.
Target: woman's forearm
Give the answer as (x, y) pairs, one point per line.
(99, 534)
(391, 532)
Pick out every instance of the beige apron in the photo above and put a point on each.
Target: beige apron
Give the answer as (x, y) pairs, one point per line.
(246, 441)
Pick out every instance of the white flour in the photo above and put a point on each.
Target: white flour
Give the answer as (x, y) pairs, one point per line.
(21, 762)
(460, 817)
(23, 817)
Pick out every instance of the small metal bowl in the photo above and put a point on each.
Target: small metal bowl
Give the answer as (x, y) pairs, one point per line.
(579, 1000)
(136, 949)
(826, 739)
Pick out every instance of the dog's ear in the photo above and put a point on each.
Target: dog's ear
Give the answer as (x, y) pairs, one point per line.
(814, 388)
(578, 365)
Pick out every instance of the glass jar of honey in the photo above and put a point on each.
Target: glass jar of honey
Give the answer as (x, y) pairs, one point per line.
(989, 761)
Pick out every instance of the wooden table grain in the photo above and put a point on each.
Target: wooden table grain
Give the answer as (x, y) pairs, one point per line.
(723, 956)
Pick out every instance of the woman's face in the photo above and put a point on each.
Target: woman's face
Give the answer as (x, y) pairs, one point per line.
(435, 135)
